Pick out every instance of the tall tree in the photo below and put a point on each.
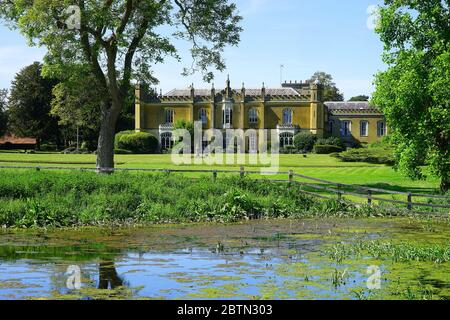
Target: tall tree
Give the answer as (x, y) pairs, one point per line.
(120, 40)
(360, 98)
(29, 105)
(3, 114)
(414, 93)
(330, 90)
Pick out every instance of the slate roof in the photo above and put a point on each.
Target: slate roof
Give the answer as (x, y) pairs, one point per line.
(248, 92)
(350, 106)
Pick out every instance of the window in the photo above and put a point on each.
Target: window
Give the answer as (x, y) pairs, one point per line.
(286, 139)
(166, 140)
(346, 128)
(252, 143)
(253, 116)
(203, 116)
(330, 126)
(169, 115)
(381, 128)
(287, 117)
(364, 128)
(227, 115)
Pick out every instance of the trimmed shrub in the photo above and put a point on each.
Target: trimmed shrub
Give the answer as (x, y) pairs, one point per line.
(139, 142)
(304, 141)
(326, 149)
(331, 141)
(121, 134)
(370, 155)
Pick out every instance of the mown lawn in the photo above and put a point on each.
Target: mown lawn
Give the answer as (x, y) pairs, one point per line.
(318, 166)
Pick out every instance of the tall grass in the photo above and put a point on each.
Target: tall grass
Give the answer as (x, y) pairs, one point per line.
(61, 199)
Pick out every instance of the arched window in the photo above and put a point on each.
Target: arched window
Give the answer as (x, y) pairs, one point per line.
(381, 128)
(202, 116)
(253, 116)
(169, 115)
(286, 139)
(166, 140)
(346, 128)
(287, 117)
(252, 143)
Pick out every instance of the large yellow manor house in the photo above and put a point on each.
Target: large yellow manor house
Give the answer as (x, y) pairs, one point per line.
(295, 107)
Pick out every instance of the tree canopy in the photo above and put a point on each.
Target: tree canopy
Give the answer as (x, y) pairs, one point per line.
(414, 93)
(360, 98)
(330, 90)
(3, 114)
(120, 40)
(29, 105)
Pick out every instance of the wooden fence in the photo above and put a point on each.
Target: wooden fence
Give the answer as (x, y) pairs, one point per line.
(316, 190)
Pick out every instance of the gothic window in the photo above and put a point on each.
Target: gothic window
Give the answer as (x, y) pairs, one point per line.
(286, 139)
(166, 140)
(253, 143)
(227, 115)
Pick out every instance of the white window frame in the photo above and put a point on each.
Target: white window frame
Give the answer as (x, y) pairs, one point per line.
(287, 116)
(166, 140)
(364, 126)
(381, 128)
(227, 117)
(286, 139)
(346, 131)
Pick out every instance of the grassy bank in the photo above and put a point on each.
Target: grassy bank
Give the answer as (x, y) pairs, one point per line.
(63, 199)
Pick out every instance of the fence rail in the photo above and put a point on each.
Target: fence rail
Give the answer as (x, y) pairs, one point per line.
(339, 189)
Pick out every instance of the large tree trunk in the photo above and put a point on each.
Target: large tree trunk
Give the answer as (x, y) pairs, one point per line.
(105, 149)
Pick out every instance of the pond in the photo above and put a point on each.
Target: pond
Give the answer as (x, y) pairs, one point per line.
(396, 258)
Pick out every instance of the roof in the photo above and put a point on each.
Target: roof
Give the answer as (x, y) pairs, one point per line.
(16, 140)
(248, 92)
(350, 106)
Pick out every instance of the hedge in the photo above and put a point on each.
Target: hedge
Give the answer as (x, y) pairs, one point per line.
(326, 149)
(139, 142)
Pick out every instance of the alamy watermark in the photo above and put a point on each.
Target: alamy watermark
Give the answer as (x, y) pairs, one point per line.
(73, 274)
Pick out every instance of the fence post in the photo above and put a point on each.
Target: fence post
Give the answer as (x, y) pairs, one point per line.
(38, 168)
(339, 194)
(291, 177)
(242, 172)
(369, 197)
(409, 201)
(215, 175)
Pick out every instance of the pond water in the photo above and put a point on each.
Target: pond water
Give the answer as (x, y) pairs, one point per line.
(283, 259)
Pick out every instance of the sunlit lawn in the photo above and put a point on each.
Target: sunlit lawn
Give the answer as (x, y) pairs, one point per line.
(318, 166)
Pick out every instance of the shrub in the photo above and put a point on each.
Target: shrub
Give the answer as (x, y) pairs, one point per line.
(331, 141)
(121, 134)
(370, 155)
(326, 149)
(304, 141)
(139, 142)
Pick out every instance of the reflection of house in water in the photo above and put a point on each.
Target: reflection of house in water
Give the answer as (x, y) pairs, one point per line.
(294, 108)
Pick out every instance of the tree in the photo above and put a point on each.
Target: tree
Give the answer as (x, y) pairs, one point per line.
(29, 105)
(414, 93)
(360, 98)
(3, 114)
(121, 39)
(330, 91)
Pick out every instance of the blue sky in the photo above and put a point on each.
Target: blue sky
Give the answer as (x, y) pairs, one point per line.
(303, 35)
